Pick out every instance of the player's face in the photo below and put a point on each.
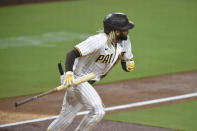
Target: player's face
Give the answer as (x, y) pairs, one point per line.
(122, 34)
(125, 32)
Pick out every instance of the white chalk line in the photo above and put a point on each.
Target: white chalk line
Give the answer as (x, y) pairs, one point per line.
(50, 39)
(137, 104)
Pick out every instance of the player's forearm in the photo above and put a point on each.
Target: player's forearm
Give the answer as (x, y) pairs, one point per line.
(128, 66)
(124, 66)
(70, 59)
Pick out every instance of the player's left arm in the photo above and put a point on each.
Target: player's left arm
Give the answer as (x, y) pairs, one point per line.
(128, 66)
(127, 60)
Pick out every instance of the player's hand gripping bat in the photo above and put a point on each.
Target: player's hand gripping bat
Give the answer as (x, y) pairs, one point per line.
(59, 88)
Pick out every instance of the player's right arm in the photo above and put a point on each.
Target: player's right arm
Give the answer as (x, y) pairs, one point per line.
(70, 59)
(90, 45)
(86, 47)
(67, 77)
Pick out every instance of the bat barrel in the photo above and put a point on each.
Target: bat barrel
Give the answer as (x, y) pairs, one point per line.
(25, 101)
(59, 88)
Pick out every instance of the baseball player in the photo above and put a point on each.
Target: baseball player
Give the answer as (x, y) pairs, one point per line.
(97, 54)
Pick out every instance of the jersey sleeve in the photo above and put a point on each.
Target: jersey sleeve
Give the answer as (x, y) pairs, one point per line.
(127, 51)
(88, 46)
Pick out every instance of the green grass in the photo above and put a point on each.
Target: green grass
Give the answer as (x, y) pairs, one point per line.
(182, 116)
(164, 39)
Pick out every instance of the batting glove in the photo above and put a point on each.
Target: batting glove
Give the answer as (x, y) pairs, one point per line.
(69, 78)
(130, 66)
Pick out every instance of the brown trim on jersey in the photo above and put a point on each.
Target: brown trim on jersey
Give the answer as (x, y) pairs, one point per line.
(78, 50)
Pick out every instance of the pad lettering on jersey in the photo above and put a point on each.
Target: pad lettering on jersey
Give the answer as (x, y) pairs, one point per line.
(104, 58)
(99, 58)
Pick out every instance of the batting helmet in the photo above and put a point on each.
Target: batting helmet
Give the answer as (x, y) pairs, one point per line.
(116, 21)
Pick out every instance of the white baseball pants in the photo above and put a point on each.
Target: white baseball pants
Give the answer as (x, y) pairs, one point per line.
(83, 95)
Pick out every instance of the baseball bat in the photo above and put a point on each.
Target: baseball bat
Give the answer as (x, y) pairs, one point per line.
(60, 69)
(36, 97)
(59, 88)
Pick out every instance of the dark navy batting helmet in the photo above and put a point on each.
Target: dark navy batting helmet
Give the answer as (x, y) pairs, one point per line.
(116, 21)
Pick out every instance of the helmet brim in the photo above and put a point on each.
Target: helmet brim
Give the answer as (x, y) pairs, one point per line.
(128, 26)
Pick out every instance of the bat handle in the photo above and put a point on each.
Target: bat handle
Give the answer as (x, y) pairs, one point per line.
(25, 101)
(60, 69)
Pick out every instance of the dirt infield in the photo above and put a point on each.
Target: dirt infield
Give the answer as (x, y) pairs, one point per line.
(112, 94)
(102, 126)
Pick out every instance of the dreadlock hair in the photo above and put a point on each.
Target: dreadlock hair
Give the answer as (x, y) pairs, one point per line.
(110, 36)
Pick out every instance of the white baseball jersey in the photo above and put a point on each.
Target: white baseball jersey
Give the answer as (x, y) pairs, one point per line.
(99, 56)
